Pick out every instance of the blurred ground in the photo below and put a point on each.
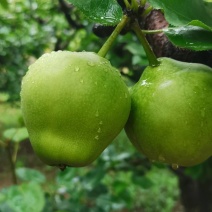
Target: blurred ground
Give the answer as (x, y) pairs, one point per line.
(26, 158)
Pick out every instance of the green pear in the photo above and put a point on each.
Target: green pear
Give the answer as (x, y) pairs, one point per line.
(171, 113)
(74, 104)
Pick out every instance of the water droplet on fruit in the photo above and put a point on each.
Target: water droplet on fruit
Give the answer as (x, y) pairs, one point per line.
(99, 130)
(105, 86)
(143, 82)
(161, 158)
(96, 83)
(175, 166)
(97, 113)
(126, 95)
(76, 69)
(100, 122)
(81, 81)
(90, 63)
(102, 63)
(97, 137)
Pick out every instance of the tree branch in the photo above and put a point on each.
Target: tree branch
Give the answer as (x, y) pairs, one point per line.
(66, 9)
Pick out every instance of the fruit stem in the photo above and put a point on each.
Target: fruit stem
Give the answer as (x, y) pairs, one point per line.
(127, 4)
(134, 5)
(143, 2)
(12, 164)
(153, 31)
(147, 11)
(149, 52)
(109, 42)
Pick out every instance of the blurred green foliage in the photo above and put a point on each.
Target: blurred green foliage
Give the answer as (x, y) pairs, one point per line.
(30, 28)
(109, 184)
(21, 36)
(121, 179)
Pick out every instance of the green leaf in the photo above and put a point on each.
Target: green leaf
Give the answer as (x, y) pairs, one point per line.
(4, 4)
(26, 174)
(104, 199)
(16, 134)
(107, 12)
(142, 181)
(119, 186)
(23, 198)
(138, 53)
(5, 207)
(182, 12)
(190, 37)
(200, 24)
(195, 171)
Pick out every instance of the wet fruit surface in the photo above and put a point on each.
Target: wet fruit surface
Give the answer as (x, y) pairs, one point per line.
(171, 114)
(74, 105)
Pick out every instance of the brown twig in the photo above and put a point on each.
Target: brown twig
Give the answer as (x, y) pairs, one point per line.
(12, 164)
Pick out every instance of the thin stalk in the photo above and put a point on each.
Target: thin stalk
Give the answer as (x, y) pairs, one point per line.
(127, 4)
(15, 152)
(134, 5)
(147, 11)
(155, 31)
(143, 2)
(109, 42)
(12, 165)
(149, 52)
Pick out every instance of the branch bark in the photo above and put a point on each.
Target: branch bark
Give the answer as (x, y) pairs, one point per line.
(66, 9)
(162, 47)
